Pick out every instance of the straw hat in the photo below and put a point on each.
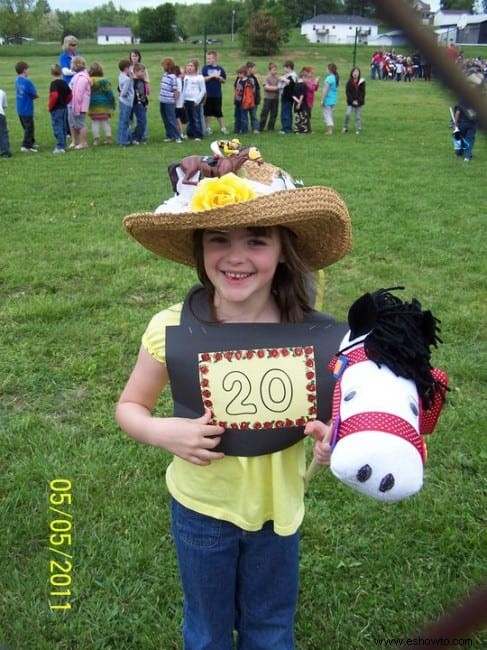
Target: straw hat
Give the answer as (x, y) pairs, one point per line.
(317, 215)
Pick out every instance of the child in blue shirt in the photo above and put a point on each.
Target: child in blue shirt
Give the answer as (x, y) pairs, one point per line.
(26, 93)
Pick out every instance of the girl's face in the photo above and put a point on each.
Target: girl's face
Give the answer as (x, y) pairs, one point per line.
(134, 57)
(355, 73)
(240, 264)
(190, 68)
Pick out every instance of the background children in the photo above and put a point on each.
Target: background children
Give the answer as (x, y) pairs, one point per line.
(235, 516)
(4, 141)
(254, 83)
(214, 76)
(286, 86)
(168, 95)
(140, 103)
(126, 95)
(80, 103)
(330, 92)
(240, 118)
(466, 118)
(59, 97)
(270, 105)
(355, 93)
(26, 93)
(301, 112)
(102, 104)
(194, 90)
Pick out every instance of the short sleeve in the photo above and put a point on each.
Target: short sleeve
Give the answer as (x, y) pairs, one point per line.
(154, 337)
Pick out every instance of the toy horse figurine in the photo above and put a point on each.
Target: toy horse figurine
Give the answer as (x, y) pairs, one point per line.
(189, 170)
(386, 397)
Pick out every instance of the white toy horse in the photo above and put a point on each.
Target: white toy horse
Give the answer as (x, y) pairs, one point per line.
(386, 397)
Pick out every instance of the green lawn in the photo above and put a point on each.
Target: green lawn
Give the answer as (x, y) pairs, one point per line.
(76, 294)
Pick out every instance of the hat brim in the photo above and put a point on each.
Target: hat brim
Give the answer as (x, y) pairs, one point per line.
(317, 215)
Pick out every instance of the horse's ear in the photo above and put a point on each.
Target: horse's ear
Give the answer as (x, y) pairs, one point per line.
(362, 316)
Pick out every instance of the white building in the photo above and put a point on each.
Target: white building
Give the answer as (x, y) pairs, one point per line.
(114, 36)
(335, 29)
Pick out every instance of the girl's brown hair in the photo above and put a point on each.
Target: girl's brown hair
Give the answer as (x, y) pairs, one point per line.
(292, 283)
(95, 70)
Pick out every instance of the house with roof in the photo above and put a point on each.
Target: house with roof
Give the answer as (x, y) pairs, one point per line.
(114, 36)
(472, 30)
(339, 29)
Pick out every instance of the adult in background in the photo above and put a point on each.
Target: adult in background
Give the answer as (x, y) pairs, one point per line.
(214, 76)
(70, 44)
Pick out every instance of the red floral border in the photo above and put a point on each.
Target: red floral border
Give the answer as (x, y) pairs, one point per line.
(307, 352)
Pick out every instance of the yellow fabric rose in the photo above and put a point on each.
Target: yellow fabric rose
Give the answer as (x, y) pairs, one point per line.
(214, 192)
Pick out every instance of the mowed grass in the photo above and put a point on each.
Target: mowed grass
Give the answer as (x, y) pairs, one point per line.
(76, 295)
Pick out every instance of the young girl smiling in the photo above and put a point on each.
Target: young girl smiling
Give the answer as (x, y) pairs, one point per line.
(245, 356)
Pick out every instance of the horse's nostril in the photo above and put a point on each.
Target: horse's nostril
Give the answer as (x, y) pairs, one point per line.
(364, 473)
(387, 483)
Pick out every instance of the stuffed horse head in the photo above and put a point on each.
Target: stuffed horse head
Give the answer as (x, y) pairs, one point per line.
(387, 396)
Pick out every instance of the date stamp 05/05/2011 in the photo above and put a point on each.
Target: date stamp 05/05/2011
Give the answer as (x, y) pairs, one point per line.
(60, 544)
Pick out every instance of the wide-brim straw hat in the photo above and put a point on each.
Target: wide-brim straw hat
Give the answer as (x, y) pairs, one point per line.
(317, 215)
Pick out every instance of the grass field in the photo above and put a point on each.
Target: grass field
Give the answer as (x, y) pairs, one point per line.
(76, 295)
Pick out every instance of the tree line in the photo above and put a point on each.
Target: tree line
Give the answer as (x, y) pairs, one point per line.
(170, 22)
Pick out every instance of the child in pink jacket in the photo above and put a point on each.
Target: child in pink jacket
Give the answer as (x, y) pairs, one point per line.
(81, 89)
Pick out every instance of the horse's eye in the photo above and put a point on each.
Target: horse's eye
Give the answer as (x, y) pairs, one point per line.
(414, 408)
(350, 395)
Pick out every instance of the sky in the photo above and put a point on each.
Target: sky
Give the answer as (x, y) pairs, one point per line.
(134, 5)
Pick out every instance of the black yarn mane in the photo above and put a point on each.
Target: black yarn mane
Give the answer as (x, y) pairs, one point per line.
(401, 336)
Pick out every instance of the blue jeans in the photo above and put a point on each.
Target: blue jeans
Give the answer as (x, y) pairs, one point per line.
(193, 115)
(140, 115)
(286, 115)
(123, 133)
(168, 114)
(58, 121)
(235, 580)
(4, 141)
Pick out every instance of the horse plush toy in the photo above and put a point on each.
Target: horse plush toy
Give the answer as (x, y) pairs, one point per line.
(386, 396)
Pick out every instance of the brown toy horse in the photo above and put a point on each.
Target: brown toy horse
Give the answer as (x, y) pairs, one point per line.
(208, 167)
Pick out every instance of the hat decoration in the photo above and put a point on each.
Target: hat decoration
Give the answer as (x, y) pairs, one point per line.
(261, 195)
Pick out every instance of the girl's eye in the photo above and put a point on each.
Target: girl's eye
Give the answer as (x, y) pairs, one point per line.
(217, 239)
(257, 242)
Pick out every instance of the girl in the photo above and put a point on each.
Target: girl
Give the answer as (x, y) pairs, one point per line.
(102, 104)
(301, 108)
(194, 91)
(355, 93)
(236, 480)
(329, 101)
(80, 103)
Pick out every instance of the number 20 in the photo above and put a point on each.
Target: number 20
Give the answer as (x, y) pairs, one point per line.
(275, 392)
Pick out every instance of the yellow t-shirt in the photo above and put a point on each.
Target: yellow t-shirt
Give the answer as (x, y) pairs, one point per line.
(245, 491)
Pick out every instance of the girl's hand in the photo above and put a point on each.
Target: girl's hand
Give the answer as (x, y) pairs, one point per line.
(322, 434)
(190, 439)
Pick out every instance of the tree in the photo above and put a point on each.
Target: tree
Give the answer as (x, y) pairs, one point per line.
(16, 18)
(466, 5)
(157, 25)
(262, 35)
